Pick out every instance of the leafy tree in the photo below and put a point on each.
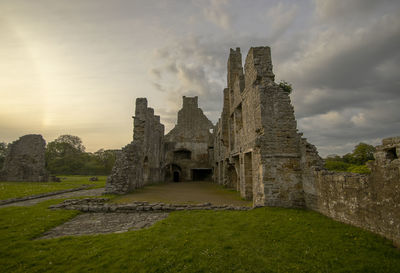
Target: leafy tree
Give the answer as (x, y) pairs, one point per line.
(349, 158)
(106, 159)
(337, 165)
(3, 152)
(65, 155)
(362, 153)
(287, 87)
(73, 141)
(100, 162)
(352, 162)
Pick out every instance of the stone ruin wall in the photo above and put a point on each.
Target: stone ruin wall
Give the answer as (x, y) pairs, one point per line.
(369, 201)
(258, 151)
(188, 144)
(25, 160)
(257, 146)
(140, 162)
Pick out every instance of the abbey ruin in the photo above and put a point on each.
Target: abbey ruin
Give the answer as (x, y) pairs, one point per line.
(255, 148)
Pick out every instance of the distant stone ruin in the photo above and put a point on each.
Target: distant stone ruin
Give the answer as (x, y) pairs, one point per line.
(255, 148)
(25, 160)
(188, 145)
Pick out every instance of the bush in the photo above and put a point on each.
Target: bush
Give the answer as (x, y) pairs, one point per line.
(337, 166)
(359, 169)
(287, 87)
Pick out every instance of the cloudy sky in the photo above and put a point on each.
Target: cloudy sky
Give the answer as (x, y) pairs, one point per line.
(76, 66)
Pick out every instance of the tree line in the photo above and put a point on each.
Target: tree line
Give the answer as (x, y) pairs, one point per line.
(66, 155)
(354, 162)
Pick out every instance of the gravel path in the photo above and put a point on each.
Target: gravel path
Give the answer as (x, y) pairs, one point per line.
(90, 192)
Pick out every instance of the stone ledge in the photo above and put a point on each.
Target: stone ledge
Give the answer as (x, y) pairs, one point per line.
(36, 196)
(101, 205)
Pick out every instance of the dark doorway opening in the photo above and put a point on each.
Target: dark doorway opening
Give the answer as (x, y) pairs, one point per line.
(176, 176)
(201, 174)
(391, 154)
(173, 173)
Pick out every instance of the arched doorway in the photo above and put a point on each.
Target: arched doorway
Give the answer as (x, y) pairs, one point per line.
(173, 173)
(176, 176)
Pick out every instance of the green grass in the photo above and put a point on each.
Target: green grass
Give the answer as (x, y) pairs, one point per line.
(20, 189)
(261, 240)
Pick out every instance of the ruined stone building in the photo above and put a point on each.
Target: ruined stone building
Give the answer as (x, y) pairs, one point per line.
(25, 160)
(188, 146)
(255, 148)
(181, 155)
(140, 162)
(258, 150)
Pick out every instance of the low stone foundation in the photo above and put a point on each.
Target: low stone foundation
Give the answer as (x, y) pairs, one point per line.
(101, 205)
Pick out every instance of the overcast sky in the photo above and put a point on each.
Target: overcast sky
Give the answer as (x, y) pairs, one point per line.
(77, 66)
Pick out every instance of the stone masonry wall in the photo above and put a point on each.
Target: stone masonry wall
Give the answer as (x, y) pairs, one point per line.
(140, 162)
(188, 144)
(257, 148)
(25, 160)
(370, 201)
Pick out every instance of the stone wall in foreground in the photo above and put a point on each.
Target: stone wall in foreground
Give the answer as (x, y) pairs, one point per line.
(370, 201)
(25, 160)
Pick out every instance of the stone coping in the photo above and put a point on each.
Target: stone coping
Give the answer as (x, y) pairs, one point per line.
(41, 195)
(101, 205)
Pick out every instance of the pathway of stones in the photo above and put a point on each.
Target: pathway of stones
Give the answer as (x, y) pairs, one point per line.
(101, 223)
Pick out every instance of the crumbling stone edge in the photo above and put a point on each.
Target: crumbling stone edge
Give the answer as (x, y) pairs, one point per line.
(36, 196)
(101, 205)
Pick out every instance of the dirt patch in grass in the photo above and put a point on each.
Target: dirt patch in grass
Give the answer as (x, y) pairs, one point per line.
(185, 193)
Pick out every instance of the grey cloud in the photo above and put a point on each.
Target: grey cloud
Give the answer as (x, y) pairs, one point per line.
(155, 72)
(333, 10)
(280, 17)
(216, 12)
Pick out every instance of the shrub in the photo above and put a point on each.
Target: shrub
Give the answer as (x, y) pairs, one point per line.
(337, 166)
(287, 87)
(359, 169)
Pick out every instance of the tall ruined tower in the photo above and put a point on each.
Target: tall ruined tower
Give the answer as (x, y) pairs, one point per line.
(262, 159)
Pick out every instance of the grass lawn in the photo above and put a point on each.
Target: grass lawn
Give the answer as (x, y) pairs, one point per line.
(260, 240)
(20, 189)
